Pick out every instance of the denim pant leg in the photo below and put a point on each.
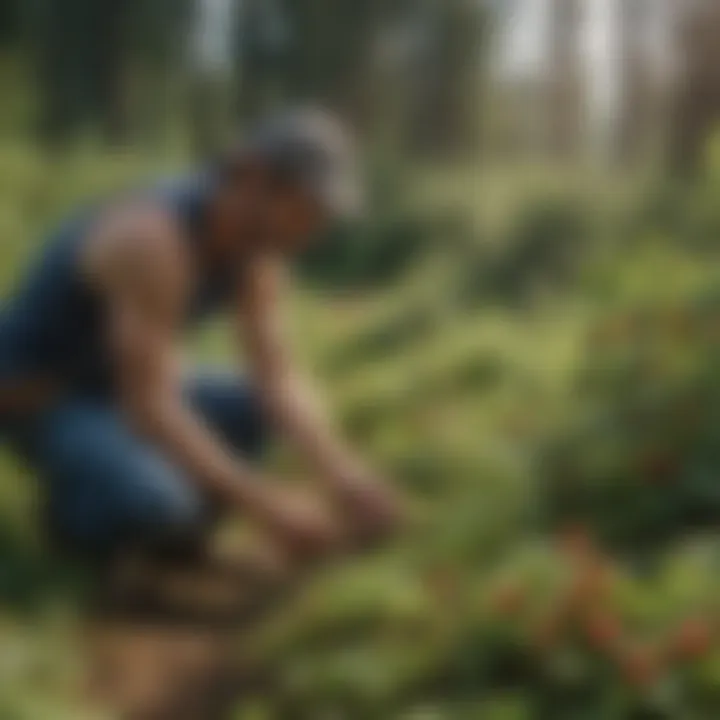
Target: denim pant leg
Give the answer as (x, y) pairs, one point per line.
(230, 407)
(106, 485)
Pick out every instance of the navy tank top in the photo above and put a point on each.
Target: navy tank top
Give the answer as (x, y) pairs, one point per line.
(54, 325)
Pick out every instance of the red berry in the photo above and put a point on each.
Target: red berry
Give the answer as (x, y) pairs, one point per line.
(590, 584)
(547, 632)
(576, 541)
(443, 583)
(641, 667)
(659, 467)
(603, 630)
(693, 640)
(508, 599)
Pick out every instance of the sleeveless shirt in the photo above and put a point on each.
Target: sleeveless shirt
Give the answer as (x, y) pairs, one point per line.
(54, 326)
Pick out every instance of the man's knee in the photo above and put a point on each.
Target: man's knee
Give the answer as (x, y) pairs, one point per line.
(173, 522)
(173, 508)
(105, 484)
(234, 409)
(154, 500)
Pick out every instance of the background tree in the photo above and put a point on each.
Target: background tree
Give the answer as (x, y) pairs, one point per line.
(449, 80)
(565, 100)
(697, 103)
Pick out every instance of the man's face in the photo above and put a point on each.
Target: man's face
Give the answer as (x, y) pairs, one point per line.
(292, 220)
(258, 214)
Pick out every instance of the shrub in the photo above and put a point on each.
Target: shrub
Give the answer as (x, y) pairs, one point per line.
(638, 457)
(545, 247)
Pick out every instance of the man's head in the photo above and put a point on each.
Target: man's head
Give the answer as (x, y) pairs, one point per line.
(287, 181)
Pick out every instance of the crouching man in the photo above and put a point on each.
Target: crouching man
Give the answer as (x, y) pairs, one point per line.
(129, 451)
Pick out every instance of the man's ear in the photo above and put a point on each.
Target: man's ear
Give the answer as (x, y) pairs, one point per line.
(262, 176)
(252, 171)
(236, 171)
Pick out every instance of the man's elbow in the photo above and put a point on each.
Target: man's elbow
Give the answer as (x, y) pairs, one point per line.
(273, 401)
(145, 414)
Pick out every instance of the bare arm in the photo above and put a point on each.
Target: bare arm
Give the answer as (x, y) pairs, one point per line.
(287, 394)
(293, 403)
(137, 261)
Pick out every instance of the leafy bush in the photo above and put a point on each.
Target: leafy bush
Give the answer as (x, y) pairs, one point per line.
(639, 456)
(481, 613)
(545, 247)
(560, 628)
(379, 249)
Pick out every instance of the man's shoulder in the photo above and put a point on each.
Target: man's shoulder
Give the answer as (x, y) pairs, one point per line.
(173, 196)
(139, 235)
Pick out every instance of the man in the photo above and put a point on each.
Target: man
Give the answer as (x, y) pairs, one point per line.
(91, 392)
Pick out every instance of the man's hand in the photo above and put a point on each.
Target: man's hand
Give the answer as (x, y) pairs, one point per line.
(372, 508)
(371, 511)
(304, 527)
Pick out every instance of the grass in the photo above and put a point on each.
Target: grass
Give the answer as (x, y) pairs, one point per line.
(451, 400)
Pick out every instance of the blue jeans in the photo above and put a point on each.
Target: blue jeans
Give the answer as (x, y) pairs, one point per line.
(106, 485)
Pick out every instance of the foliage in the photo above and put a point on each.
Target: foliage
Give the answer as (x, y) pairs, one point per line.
(377, 250)
(638, 451)
(545, 248)
(545, 450)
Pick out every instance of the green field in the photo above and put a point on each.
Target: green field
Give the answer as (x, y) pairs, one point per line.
(540, 368)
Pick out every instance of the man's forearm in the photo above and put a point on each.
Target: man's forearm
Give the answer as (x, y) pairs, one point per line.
(373, 509)
(303, 529)
(303, 420)
(186, 439)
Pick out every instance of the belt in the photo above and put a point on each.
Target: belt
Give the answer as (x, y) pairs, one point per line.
(20, 396)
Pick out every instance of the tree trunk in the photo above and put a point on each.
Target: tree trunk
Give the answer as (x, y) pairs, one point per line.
(697, 104)
(565, 82)
(447, 116)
